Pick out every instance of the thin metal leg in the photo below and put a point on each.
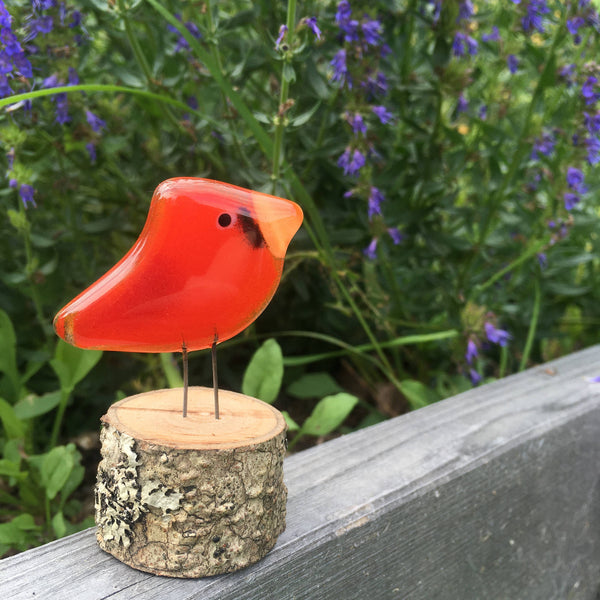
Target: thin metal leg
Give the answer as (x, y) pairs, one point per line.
(213, 352)
(185, 379)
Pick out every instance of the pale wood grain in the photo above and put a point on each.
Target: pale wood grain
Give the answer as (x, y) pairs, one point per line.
(156, 417)
(492, 494)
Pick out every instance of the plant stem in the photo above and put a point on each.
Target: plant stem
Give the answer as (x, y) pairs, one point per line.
(280, 119)
(532, 327)
(60, 413)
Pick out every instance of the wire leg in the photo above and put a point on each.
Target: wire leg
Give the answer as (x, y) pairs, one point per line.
(185, 379)
(213, 352)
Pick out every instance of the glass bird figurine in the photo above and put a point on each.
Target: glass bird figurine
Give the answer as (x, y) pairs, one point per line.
(206, 264)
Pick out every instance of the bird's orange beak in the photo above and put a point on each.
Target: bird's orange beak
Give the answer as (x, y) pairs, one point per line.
(278, 220)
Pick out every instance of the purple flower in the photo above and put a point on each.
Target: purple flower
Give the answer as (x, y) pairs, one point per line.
(396, 235)
(491, 37)
(575, 179)
(6, 65)
(382, 113)
(496, 336)
(95, 122)
(91, 149)
(343, 12)
(483, 112)
(372, 32)
(542, 260)
(574, 24)
(587, 90)
(50, 82)
(534, 18)
(462, 105)
(22, 65)
(593, 148)
(357, 123)
(567, 72)
(26, 192)
(76, 19)
(340, 69)
(371, 250)
(344, 160)
(592, 122)
(570, 200)
(472, 352)
(350, 29)
(357, 162)
(5, 18)
(464, 43)
(41, 25)
(474, 376)
(5, 89)
(543, 145)
(375, 200)
(311, 22)
(465, 10)
(62, 106)
(10, 41)
(73, 76)
(282, 31)
(375, 85)
(513, 63)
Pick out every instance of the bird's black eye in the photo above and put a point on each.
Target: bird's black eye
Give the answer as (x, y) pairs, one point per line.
(225, 220)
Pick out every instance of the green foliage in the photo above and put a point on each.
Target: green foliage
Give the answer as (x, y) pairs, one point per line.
(262, 378)
(461, 250)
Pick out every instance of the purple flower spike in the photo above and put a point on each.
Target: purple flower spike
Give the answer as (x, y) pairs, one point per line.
(382, 113)
(491, 37)
(340, 69)
(475, 376)
(396, 235)
(570, 200)
(375, 200)
(513, 63)
(282, 31)
(91, 149)
(357, 123)
(575, 179)
(26, 192)
(472, 352)
(311, 22)
(372, 32)
(95, 122)
(371, 250)
(496, 336)
(358, 161)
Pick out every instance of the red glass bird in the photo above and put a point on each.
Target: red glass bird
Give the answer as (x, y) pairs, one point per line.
(206, 264)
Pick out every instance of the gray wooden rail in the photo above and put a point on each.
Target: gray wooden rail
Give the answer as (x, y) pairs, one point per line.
(494, 493)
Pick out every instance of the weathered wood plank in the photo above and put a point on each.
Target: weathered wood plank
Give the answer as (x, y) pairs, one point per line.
(494, 493)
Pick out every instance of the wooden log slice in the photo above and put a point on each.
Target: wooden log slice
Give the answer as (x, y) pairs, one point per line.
(194, 496)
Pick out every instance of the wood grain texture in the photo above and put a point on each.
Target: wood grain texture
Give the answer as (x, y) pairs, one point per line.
(492, 494)
(156, 417)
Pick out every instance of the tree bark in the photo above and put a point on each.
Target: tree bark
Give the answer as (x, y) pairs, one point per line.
(194, 496)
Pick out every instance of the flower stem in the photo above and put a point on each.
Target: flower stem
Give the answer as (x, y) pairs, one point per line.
(280, 119)
(532, 327)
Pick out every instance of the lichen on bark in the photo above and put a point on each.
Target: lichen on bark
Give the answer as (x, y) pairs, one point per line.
(189, 513)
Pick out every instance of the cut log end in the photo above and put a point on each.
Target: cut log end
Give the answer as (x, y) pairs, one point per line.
(193, 496)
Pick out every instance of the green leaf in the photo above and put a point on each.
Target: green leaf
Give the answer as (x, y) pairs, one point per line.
(291, 424)
(264, 373)
(8, 353)
(169, 367)
(417, 394)
(305, 117)
(289, 74)
(14, 533)
(329, 414)
(13, 428)
(8, 468)
(74, 480)
(59, 525)
(55, 469)
(72, 364)
(314, 385)
(34, 406)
